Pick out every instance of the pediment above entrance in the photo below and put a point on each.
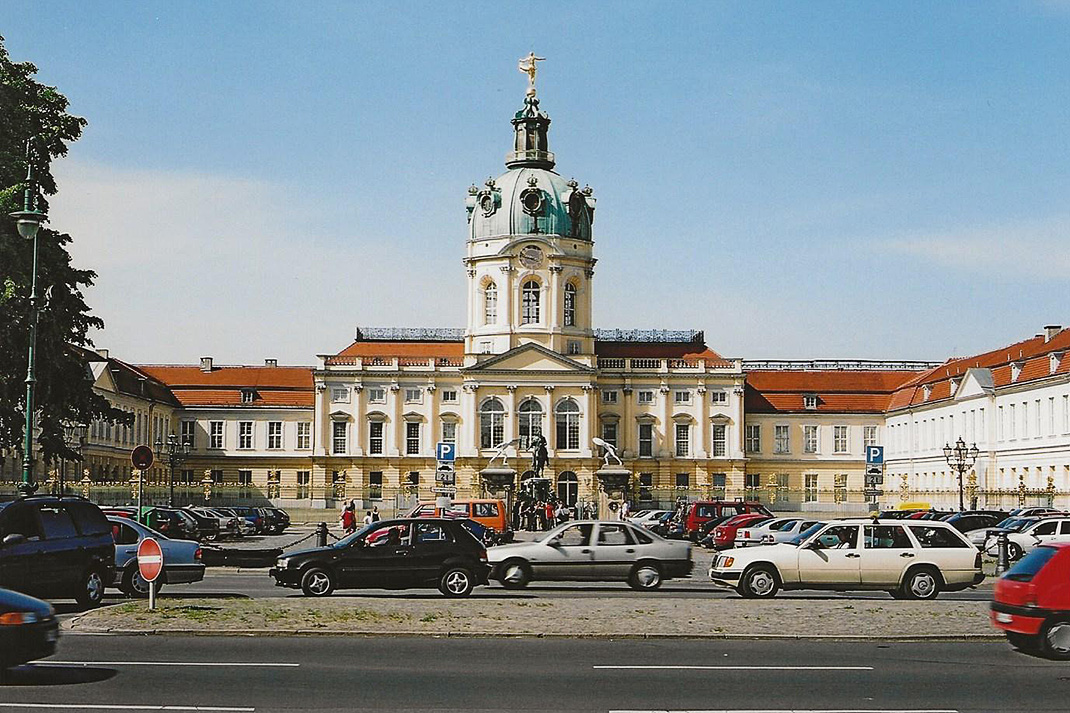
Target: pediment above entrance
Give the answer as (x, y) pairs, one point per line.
(530, 358)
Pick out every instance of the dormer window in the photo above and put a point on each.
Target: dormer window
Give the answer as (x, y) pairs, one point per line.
(810, 401)
(926, 392)
(1054, 359)
(955, 385)
(1016, 370)
(247, 396)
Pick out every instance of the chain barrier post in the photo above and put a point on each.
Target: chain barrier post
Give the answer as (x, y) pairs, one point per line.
(321, 534)
(1002, 559)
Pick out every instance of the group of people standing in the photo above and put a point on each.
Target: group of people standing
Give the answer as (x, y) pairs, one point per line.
(538, 515)
(348, 517)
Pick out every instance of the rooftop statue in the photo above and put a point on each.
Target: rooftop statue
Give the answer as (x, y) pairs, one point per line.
(528, 65)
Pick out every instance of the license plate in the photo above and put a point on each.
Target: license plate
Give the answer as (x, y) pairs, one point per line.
(1004, 618)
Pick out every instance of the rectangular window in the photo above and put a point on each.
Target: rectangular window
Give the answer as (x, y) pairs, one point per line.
(449, 431)
(568, 431)
(245, 435)
(490, 305)
(245, 477)
(682, 397)
(809, 401)
(1012, 423)
(719, 397)
(753, 480)
(609, 433)
(449, 396)
(839, 439)
(215, 434)
(217, 477)
(339, 394)
(609, 397)
(1066, 414)
(375, 485)
(414, 396)
(375, 437)
(304, 435)
(1051, 416)
(809, 439)
(338, 436)
(645, 397)
(412, 438)
(574, 346)
(683, 480)
(646, 440)
(1038, 431)
(1000, 419)
(486, 346)
(377, 395)
(754, 439)
(304, 479)
(187, 429)
(810, 491)
(720, 440)
(683, 445)
(275, 435)
(869, 435)
(646, 483)
(720, 480)
(781, 439)
(186, 477)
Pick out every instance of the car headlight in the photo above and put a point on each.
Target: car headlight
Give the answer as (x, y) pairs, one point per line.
(283, 563)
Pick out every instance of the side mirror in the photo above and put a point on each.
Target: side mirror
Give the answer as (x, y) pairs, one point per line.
(555, 543)
(814, 544)
(14, 539)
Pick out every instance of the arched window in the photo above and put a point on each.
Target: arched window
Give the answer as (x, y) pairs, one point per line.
(568, 488)
(570, 305)
(530, 302)
(490, 304)
(491, 424)
(530, 421)
(568, 425)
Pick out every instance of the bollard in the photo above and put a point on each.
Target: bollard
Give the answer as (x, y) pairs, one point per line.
(1002, 564)
(321, 534)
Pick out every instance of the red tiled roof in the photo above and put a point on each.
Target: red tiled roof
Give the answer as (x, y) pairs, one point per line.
(403, 349)
(274, 386)
(688, 351)
(232, 397)
(837, 391)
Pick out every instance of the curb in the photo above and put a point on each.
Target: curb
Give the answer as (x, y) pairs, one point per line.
(900, 638)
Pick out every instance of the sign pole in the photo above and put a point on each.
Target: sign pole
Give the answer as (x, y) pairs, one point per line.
(152, 595)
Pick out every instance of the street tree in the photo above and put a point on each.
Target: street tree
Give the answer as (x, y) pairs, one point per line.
(31, 111)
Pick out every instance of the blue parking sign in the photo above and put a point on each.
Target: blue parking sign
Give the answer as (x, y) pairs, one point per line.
(874, 455)
(446, 451)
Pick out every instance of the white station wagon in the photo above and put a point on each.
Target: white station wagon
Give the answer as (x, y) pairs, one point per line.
(908, 559)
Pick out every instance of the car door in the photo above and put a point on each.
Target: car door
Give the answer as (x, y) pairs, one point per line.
(831, 557)
(432, 545)
(566, 556)
(614, 552)
(62, 561)
(886, 553)
(126, 542)
(18, 558)
(381, 558)
(1045, 531)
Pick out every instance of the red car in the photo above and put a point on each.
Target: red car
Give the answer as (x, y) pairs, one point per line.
(706, 510)
(1031, 602)
(724, 535)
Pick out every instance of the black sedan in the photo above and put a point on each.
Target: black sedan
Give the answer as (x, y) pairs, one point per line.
(28, 629)
(392, 554)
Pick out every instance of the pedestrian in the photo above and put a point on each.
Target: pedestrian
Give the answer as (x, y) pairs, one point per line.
(375, 513)
(625, 509)
(368, 518)
(549, 515)
(349, 520)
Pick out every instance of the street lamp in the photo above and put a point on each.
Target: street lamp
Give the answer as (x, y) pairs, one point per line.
(961, 459)
(74, 439)
(176, 451)
(28, 221)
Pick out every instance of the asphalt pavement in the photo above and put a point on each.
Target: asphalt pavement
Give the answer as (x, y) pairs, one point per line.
(334, 674)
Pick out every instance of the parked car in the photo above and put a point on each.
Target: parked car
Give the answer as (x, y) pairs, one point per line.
(592, 550)
(244, 525)
(181, 559)
(910, 560)
(1011, 524)
(391, 554)
(724, 535)
(207, 528)
(642, 517)
(1032, 532)
(700, 511)
(489, 513)
(28, 629)
(228, 524)
(171, 522)
(1034, 512)
(669, 526)
(56, 547)
(770, 532)
(276, 520)
(1030, 602)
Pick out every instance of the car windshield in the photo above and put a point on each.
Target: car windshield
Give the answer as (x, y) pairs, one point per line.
(1028, 566)
(1017, 524)
(350, 539)
(805, 534)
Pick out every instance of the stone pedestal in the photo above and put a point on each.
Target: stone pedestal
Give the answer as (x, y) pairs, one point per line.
(497, 480)
(613, 481)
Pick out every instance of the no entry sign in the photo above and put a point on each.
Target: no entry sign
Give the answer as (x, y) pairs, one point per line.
(149, 559)
(141, 457)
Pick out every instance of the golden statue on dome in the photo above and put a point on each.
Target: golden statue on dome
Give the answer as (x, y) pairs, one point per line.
(529, 66)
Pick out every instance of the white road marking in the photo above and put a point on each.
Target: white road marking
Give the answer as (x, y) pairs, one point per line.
(169, 663)
(799, 710)
(737, 668)
(100, 707)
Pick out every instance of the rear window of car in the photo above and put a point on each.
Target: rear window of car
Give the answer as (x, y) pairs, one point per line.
(88, 518)
(706, 511)
(432, 532)
(938, 537)
(484, 509)
(56, 523)
(1028, 566)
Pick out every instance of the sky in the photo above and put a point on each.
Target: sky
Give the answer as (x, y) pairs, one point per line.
(798, 180)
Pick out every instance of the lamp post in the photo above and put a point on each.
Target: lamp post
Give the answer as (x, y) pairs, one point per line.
(28, 221)
(176, 451)
(73, 435)
(961, 459)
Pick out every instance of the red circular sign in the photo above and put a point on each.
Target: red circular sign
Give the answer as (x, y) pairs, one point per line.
(141, 457)
(149, 559)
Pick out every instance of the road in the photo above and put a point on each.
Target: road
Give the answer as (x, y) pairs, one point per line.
(334, 674)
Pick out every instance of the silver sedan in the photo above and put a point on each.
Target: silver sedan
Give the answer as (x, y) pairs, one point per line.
(592, 550)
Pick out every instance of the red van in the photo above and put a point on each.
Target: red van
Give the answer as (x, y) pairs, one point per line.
(1031, 602)
(705, 510)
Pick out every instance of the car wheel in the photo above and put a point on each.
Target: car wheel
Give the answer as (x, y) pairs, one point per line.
(317, 582)
(456, 582)
(759, 582)
(1055, 639)
(921, 583)
(91, 590)
(515, 575)
(1014, 551)
(1022, 642)
(134, 585)
(645, 576)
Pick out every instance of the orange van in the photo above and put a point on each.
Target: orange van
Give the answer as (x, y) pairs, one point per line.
(490, 513)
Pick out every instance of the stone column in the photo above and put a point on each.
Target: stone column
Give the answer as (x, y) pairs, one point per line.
(397, 431)
(628, 431)
(706, 448)
(357, 436)
(589, 429)
(506, 319)
(319, 420)
(512, 425)
(554, 321)
(551, 423)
